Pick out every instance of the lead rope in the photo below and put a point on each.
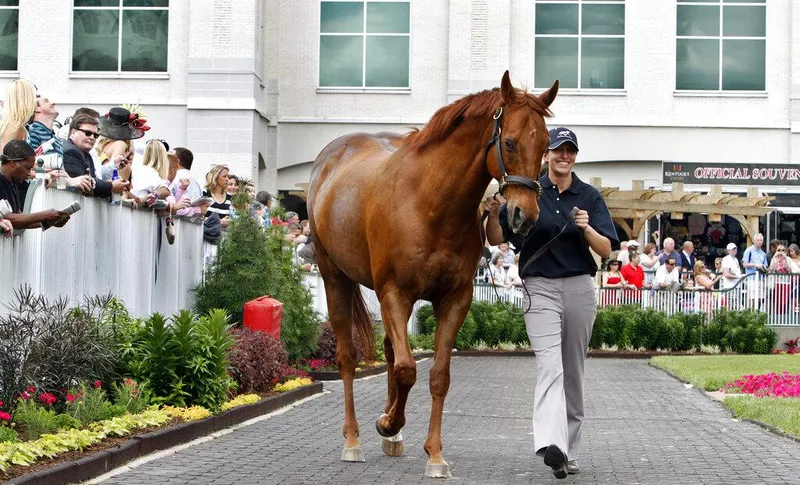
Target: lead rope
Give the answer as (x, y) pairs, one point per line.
(538, 254)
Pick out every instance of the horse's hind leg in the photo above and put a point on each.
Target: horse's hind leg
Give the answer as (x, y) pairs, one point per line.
(450, 314)
(396, 309)
(340, 292)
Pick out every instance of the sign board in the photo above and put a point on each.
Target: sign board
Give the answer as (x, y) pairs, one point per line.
(731, 173)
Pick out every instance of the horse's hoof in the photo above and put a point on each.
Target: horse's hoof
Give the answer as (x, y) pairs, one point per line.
(438, 470)
(353, 455)
(393, 446)
(380, 429)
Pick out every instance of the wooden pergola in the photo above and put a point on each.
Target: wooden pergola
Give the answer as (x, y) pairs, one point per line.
(640, 204)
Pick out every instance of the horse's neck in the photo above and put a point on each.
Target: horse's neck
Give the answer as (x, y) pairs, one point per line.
(456, 169)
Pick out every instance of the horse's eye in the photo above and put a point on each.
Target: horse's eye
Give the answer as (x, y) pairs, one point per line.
(509, 145)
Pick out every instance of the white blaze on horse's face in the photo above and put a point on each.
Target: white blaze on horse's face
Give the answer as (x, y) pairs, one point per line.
(523, 140)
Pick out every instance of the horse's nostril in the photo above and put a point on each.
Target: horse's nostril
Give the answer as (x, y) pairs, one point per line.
(519, 216)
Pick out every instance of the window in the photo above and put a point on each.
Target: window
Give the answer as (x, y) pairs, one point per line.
(9, 34)
(721, 46)
(581, 43)
(120, 35)
(364, 44)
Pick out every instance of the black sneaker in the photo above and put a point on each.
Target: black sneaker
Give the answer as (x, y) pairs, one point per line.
(557, 460)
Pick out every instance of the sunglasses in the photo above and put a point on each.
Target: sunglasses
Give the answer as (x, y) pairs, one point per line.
(88, 132)
(780, 250)
(163, 142)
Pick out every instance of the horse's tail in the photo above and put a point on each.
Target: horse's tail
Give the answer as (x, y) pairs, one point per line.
(362, 321)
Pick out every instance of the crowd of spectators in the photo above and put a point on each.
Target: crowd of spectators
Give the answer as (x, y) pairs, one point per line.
(670, 270)
(97, 155)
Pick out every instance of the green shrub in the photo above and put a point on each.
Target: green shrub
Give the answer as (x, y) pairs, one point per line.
(424, 342)
(186, 362)
(8, 435)
(425, 321)
(675, 335)
(741, 331)
(91, 404)
(251, 263)
(36, 420)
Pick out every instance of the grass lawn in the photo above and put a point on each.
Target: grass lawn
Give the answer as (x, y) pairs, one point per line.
(781, 412)
(710, 372)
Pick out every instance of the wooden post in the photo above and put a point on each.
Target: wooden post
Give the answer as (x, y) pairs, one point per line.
(637, 184)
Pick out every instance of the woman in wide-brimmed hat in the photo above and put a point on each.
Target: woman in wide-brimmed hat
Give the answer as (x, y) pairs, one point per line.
(117, 128)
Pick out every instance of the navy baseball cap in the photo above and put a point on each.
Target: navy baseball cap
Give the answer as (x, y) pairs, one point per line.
(561, 135)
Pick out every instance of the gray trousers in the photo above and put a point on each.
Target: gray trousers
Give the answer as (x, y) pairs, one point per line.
(559, 324)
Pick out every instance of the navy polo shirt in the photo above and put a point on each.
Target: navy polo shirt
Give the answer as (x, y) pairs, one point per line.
(566, 257)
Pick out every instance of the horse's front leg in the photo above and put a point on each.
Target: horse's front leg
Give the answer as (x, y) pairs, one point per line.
(450, 314)
(396, 309)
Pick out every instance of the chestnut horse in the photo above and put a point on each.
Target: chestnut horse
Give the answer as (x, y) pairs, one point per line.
(399, 214)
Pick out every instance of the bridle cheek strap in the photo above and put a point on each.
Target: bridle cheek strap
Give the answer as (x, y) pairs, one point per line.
(505, 178)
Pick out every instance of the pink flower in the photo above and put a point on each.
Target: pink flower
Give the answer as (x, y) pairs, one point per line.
(70, 398)
(1, 404)
(31, 389)
(47, 398)
(25, 395)
(98, 384)
(5, 417)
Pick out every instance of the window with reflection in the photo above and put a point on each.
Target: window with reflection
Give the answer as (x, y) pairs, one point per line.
(364, 44)
(120, 35)
(721, 45)
(581, 43)
(9, 34)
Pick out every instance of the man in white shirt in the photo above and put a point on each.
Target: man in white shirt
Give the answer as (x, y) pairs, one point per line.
(622, 255)
(731, 271)
(667, 275)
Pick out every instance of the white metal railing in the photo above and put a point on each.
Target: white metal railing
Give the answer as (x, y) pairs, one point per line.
(104, 248)
(777, 295)
(774, 294)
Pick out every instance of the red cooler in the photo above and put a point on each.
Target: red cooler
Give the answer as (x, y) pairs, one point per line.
(264, 314)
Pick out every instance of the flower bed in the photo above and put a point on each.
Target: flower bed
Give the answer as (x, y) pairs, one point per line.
(152, 430)
(784, 384)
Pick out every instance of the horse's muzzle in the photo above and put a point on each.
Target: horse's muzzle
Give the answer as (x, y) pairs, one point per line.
(518, 221)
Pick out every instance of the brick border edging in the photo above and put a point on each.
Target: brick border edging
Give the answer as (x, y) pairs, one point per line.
(97, 464)
(594, 354)
(372, 371)
(767, 427)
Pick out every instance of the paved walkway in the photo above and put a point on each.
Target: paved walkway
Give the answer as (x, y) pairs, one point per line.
(642, 426)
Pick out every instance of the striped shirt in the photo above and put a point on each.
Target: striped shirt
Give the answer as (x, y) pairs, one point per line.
(38, 134)
(221, 208)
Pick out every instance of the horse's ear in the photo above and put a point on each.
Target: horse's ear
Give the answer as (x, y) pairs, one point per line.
(550, 95)
(506, 89)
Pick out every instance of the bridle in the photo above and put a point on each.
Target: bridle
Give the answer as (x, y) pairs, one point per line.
(505, 178)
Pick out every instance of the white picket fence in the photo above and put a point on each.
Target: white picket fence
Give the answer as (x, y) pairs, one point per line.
(104, 248)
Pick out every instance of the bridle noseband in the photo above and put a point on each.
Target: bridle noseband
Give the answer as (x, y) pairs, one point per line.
(505, 178)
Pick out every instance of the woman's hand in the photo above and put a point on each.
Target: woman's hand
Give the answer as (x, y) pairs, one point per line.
(581, 218)
(492, 205)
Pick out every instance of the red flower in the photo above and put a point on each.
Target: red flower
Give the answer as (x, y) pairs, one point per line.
(25, 395)
(31, 389)
(98, 384)
(47, 398)
(70, 398)
(1, 404)
(5, 417)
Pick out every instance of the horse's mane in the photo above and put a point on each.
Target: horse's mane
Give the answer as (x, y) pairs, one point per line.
(484, 103)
